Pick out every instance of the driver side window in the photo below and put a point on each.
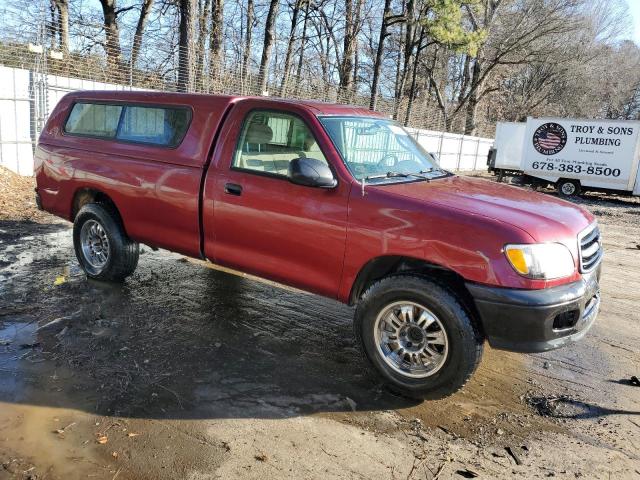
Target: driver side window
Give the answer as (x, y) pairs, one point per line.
(270, 140)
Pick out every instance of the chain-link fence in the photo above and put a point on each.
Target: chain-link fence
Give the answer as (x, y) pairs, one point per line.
(35, 73)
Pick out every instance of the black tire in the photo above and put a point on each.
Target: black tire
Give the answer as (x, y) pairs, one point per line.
(123, 253)
(465, 342)
(568, 188)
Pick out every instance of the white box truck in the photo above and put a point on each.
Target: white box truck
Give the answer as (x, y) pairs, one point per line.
(508, 149)
(575, 155)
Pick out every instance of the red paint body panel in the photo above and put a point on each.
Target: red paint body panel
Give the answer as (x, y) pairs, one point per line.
(288, 233)
(314, 239)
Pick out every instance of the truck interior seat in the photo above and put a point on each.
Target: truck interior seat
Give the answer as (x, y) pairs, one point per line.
(258, 154)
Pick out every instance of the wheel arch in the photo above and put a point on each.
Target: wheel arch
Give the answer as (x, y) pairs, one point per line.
(383, 266)
(85, 195)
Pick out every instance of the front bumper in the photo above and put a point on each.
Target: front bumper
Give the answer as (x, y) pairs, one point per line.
(537, 320)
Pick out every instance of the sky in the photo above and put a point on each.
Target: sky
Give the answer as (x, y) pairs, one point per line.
(634, 8)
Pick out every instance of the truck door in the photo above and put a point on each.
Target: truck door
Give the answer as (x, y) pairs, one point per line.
(264, 224)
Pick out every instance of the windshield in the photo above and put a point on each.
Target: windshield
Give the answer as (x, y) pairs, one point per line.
(380, 150)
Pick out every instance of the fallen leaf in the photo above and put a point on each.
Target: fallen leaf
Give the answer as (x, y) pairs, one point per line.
(60, 279)
(261, 457)
(101, 439)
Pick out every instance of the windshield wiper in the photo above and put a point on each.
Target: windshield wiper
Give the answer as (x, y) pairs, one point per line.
(396, 175)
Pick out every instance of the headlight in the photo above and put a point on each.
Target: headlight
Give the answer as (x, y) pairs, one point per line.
(541, 261)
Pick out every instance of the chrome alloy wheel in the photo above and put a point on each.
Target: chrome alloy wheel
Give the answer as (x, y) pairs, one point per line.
(568, 188)
(411, 339)
(95, 245)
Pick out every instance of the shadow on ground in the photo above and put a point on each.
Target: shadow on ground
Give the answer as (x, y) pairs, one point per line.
(176, 340)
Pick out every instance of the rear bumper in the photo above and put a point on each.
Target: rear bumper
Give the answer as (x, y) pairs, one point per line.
(537, 320)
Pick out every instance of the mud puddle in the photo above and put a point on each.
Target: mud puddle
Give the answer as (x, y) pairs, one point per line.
(218, 374)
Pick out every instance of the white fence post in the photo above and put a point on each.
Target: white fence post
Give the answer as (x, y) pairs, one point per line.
(475, 159)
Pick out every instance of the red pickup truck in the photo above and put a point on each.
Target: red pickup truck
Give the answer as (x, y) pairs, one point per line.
(332, 199)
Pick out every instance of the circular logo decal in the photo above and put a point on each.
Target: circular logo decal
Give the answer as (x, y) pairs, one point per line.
(549, 138)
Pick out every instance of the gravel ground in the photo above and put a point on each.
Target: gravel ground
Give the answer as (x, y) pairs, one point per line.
(17, 198)
(187, 371)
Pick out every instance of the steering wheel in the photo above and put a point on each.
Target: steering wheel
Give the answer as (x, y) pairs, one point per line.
(383, 163)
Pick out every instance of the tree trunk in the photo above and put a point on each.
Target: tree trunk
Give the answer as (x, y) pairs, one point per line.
(52, 27)
(215, 40)
(377, 66)
(358, 25)
(414, 75)
(145, 10)
(204, 9)
(63, 25)
(396, 96)
(247, 41)
(112, 35)
(438, 92)
(465, 78)
(348, 49)
(290, 43)
(473, 99)
(185, 57)
(267, 45)
(404, 64)
(303, 44)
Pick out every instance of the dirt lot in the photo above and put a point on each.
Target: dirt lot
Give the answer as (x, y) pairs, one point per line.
(190, 372)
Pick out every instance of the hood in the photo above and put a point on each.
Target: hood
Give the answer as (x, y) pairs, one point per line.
(544, 217)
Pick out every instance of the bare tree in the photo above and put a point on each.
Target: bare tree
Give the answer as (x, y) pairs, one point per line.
(145, 10)
(351, 29)
(215, 38)
(112, 34)
(62, 23)
(303, 42)
(267, 44)
(187, 10)
(387, 20)
(518, 37)
(246, 56)
(204, 10)
(290, 43)
(458, 65)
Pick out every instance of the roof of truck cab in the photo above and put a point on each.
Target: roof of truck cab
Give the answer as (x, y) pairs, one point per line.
(195, 99)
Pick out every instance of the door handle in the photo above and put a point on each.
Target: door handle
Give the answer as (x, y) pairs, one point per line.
(233, 189)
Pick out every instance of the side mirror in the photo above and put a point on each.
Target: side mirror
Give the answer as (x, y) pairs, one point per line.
(311, 173)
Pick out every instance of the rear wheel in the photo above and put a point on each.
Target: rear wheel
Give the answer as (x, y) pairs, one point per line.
(418, 336)
(567, 187)
(104, 250)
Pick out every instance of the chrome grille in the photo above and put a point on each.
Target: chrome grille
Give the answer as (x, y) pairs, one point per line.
(590, 248)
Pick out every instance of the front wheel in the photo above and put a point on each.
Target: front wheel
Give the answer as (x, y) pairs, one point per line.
(104, 250)
(418, 336)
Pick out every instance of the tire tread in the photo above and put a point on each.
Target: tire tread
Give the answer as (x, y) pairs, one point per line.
(125, 252)
(461, 310)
